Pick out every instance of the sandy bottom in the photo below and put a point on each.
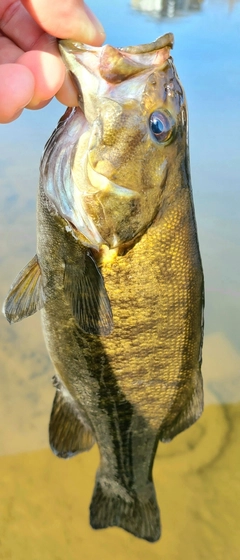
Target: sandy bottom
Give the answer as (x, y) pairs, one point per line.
(44, 500)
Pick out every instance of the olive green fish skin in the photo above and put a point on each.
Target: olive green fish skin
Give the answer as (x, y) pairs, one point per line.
(122, 314)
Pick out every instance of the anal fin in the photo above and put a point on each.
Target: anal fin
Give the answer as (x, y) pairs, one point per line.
(67, 433)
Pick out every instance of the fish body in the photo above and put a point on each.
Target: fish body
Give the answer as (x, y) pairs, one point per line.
(118, 275)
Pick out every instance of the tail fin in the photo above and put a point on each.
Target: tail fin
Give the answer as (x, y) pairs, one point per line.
(141, 518)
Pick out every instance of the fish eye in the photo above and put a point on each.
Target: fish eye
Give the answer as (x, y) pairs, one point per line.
(161, 125)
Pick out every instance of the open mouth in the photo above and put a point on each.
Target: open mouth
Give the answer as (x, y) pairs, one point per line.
(117, 64)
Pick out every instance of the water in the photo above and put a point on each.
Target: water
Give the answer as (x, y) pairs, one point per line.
(43, 500)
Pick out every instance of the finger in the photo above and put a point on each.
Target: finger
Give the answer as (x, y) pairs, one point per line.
(16, 90)
(70, 19)
(67, 94)
(47, 68)
(39, 106)
(17, 24)
(9, 52)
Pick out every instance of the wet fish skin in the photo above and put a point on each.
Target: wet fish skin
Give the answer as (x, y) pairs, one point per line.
(121, 292)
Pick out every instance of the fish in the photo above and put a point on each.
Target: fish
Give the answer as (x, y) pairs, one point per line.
(118, 275)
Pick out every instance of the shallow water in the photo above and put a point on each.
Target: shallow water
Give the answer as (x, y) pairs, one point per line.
(43, 500)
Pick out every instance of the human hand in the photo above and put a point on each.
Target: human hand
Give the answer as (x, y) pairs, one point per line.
(31, 69)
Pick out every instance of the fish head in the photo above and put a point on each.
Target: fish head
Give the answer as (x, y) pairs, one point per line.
(135, 133)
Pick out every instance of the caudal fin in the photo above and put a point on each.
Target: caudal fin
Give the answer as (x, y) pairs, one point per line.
(141, 518)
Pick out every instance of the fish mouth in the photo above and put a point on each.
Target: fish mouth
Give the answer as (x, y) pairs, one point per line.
(117, 64)
(166, 40)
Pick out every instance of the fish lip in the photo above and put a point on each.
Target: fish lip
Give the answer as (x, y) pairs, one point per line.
(166, 40)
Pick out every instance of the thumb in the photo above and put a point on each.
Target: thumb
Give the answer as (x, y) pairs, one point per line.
(70, 19)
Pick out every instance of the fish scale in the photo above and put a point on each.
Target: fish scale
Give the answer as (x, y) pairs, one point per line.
(158, 318)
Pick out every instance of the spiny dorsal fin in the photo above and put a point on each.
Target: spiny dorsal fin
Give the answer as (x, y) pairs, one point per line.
(25, 296)
(89, 299)
(67, 434)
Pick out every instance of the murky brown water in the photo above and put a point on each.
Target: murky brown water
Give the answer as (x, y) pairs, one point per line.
(43, 500)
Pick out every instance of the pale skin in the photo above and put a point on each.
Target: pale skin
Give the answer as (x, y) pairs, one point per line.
(31, 69)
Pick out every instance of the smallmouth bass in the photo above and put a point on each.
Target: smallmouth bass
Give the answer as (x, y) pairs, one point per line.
(118, 274)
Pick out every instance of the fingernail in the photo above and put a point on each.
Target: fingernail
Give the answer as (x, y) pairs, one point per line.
(96, 24)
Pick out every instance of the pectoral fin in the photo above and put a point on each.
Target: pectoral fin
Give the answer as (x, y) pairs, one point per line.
(67, 433)
(89, 299)
(26, 293)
